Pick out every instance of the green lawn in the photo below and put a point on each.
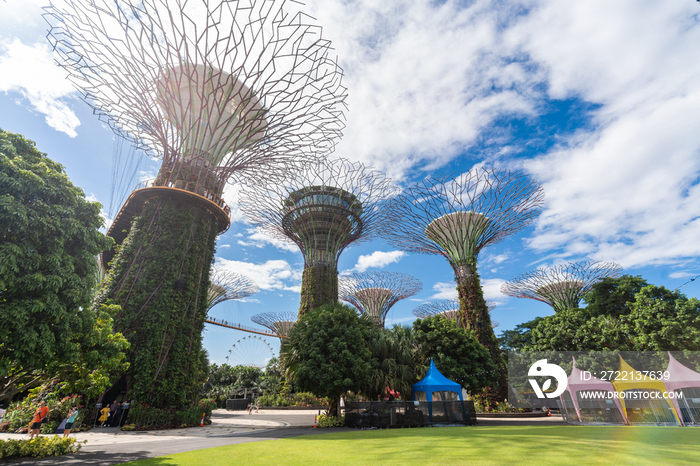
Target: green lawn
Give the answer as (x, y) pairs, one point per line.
(520, 445)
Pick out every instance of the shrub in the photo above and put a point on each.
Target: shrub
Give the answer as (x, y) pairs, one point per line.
(19, 414)
(38, 448)
(330, 421)
(145, 417)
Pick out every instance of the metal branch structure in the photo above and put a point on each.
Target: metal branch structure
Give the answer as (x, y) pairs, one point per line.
(281, 323)
(374, 293)
(220, 90)
(456, 218)
(323, 210)
(447, 308)
(561, 286)
(225, 285)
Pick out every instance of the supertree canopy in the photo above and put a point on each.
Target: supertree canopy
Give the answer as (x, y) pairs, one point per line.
(561, 286)
(323, 210)
(374, 293)
(222, 91)
(279, 322)
(224, 285)
(456, 218)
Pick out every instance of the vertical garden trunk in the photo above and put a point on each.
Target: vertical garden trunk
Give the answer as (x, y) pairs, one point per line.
(319, 286)
(474, 314)
(160, 277)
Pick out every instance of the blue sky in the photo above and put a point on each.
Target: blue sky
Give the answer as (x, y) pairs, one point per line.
(597, 100)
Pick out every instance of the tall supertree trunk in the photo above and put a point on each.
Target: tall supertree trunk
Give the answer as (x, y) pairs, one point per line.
(160, 277)
(319, 286)
(474, 315)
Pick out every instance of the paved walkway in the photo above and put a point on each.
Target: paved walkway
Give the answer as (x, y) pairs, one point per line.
(110, 446)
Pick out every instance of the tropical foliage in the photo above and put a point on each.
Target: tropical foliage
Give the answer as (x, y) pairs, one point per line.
(49, 241)
(623, 314)
(332, 353)
(456, 352)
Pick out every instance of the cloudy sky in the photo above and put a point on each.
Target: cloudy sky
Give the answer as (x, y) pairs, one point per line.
(598, 100)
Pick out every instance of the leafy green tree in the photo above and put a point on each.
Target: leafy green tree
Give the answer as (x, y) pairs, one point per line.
(595, 327)
(48, 242)
(663, 320)
(656, 320)
(612, 296)
(394, 351)
(456, 351)
(520, 336)
(331, 353)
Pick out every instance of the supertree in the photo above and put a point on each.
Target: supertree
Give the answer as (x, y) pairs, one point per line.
(222, 91)
(456, 218)
(374, 293)
(323, 210)
(561, 286)
(448, 308)
(225, 285)
(279, 322)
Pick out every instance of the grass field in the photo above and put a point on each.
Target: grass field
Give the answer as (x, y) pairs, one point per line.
(518, 445)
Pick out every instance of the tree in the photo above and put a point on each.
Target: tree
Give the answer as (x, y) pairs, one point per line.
(656, 320)
(48, 242)
(516, 339)
(456, 351)
(612, 296)
(394, 351)
(591, 327)
(331, 353)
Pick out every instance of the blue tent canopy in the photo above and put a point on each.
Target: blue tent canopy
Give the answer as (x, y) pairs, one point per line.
(434, 381)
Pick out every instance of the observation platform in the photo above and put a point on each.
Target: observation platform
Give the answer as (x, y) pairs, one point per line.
(174, 189)
(226, 324)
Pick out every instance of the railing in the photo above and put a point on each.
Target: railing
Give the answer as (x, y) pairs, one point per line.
(244, 328)
(384, 414)
(188, 186)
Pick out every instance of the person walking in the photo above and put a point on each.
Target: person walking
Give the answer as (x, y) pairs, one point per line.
(72, 414)
(117, 415)
(105, 415)
(112, 413)
(40, 416)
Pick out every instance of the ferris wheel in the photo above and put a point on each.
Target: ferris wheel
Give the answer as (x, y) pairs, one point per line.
(251, 350)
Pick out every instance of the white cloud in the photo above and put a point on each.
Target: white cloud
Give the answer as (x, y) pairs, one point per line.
(679, 275)
(270, 275)
(625, 190)
(223, 246)
(492, 291)
(29, 70)
(258, 239)
(491, 288)
(444, 291)
(425, 78)
(377, 259)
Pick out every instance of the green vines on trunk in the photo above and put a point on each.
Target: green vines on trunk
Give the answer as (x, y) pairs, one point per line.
(160, 277)
(474, 314)
(319, 286)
